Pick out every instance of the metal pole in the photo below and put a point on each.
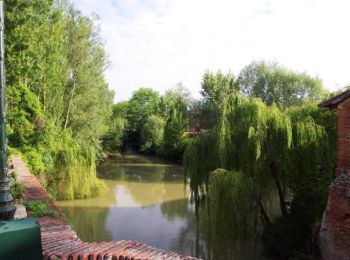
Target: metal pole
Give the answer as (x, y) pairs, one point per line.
(7, 208)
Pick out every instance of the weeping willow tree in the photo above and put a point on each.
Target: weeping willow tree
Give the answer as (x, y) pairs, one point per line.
(75, 167)
(200, 158)
(232, 194)
(174, 141)
(263, 150)
(311, 159)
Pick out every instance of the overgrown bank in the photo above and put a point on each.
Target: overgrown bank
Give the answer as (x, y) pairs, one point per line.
(58, 100)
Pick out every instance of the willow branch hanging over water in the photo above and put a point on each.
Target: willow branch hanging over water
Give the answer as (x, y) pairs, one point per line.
(262, 149)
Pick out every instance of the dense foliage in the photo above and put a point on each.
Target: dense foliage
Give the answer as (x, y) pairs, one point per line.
(58, 100)
(143, 103)
(266, 151)
(152, 134)
(114, 138)
(150, 123)
(247, 141)
(276, 84)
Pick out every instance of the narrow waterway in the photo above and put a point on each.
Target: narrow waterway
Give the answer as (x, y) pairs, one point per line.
(147, 201)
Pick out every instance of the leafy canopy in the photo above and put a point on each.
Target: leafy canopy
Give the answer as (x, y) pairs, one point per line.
(275, 84)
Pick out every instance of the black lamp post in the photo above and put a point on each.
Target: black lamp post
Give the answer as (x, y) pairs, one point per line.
(7, 207)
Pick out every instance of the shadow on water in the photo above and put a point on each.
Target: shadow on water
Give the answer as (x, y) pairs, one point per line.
(170, 225)
(88, 222)
(150, 204)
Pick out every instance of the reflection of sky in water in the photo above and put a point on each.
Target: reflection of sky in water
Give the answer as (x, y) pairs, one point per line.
(143, 202)
(147, 201)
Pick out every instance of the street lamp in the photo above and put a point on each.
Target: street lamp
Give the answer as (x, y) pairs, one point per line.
(7, 207)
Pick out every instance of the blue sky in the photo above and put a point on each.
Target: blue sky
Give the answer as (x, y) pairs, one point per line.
(158, 43)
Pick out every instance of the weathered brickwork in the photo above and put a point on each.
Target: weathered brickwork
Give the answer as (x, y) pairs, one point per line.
(343, 152)
(59, 241)
(335, 228)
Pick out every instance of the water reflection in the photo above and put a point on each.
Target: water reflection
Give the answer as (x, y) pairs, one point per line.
(147, 201)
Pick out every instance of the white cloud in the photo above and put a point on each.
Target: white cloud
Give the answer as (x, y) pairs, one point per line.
(157, 43)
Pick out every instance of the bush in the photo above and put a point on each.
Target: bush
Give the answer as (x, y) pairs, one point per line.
(16, 187)
(37, 208)
(34, 160)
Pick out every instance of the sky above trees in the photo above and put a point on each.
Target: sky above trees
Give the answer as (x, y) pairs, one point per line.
(157, 43)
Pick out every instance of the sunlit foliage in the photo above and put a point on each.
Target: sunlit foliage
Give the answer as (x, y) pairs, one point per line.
(56, 92)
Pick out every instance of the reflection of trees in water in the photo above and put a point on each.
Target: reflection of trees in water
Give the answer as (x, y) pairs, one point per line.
(190, 239)
(198, 239)
(176, 209)
(88, 222)
(145, 172)
(147, 184)
(145, 194)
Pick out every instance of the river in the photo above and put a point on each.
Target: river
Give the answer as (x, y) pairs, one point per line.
(147, 201)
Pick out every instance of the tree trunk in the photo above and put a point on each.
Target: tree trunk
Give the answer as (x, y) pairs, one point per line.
(279, 188)
(263, 215)
(69, 105)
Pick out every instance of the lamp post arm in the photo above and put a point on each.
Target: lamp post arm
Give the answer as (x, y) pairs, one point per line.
(7, 208)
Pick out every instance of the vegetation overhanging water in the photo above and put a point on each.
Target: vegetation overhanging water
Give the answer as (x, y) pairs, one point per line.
(147, 201)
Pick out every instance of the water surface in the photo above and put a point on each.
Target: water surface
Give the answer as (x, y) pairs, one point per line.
(147, 201)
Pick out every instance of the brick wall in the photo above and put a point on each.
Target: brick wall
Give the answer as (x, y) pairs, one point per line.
(335, 228)
(343, 152)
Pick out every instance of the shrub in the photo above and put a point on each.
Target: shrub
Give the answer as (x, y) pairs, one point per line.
(16, 187)
(34, 160)
(36, 207)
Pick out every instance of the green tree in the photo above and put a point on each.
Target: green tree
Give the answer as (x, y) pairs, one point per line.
(114, 139)
(143, 103)
(264, 149)
(217, 86)
(275, 84)
(120, 109)
(55, 64)
(152, 134)
(172, 95)
(35, 77)
(87, 97)
(175, 141)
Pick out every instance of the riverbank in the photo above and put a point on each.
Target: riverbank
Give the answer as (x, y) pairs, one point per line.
(59, 240)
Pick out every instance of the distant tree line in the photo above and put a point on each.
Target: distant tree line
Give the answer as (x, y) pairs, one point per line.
(150, 123)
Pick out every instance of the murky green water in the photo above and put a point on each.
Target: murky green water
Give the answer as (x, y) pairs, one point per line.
(147, 201)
